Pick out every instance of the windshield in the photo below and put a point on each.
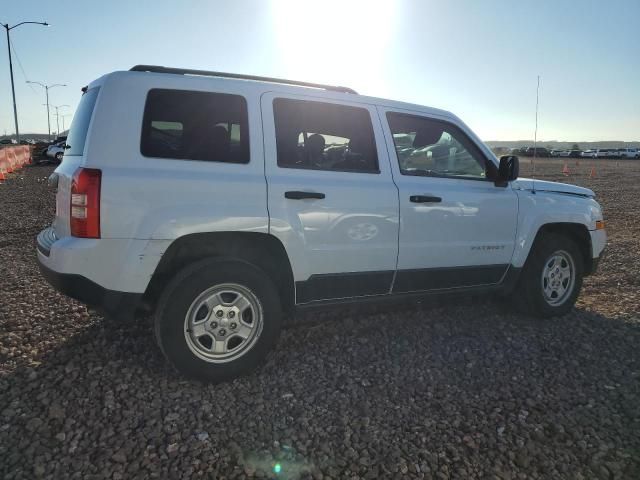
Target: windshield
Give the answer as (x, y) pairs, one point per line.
(80, 124)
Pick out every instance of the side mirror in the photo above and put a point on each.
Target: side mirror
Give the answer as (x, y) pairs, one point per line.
(508, 170)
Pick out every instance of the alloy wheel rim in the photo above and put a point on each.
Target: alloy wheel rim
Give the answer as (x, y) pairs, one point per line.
(558, 278)
(223, 323)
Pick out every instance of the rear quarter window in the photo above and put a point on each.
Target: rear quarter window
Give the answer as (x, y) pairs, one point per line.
(190, 125)
(80, 124)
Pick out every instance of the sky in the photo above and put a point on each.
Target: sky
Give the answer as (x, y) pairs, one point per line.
(477, 59)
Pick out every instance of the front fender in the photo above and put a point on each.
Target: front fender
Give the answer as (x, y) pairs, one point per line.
(537, 209)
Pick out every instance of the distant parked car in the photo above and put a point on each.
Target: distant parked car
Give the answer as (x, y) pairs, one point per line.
(574, 153)
(564, 153)
(603, 153)
(589, 154)
(56, 151)
(556, 153)
(629, 153)
(539, 152)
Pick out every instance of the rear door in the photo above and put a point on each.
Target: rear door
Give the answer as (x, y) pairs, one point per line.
(332, 201)
(457, 228)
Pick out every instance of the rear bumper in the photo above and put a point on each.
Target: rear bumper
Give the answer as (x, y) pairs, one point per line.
(108, 274)
(123, 265)
(119, 304)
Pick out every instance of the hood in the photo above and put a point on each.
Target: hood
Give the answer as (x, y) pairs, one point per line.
(555, 187)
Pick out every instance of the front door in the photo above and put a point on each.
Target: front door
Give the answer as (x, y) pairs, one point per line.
(457, 227)
(331, 198)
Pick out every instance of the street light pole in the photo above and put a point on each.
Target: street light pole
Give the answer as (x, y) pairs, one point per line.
(58, 115)
(62, 116)
(46, 89)
(13, 90)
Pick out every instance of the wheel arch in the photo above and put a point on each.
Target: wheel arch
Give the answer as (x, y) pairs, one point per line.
(577, 232)
(260, 249)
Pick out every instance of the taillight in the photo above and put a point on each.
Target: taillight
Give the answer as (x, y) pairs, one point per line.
(85, 203)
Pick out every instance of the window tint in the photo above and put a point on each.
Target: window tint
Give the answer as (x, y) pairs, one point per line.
(431, 147)
(80, 123)
(195, 126)
(324, 136)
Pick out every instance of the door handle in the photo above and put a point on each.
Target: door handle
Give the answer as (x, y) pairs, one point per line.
(296, 195)
(424, 199)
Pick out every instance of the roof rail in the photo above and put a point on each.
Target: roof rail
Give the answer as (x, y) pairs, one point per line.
(207, 73)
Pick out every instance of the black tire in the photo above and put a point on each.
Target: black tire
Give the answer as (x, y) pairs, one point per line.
(529, 297)
(185, 288)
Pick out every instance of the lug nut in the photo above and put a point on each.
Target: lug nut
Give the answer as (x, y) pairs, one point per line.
(219, 313)
(222, 332)
(232, 314)
(233, 326)
(214, 324)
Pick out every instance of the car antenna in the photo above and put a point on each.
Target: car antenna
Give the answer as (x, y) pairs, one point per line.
(535, 137)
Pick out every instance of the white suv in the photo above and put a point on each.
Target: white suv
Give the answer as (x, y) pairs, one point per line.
(221, 202)
(629, 153)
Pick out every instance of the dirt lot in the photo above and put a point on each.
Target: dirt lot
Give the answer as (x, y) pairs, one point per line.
(438, 391)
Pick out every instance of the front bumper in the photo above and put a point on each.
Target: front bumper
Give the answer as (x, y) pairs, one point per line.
(598, 244)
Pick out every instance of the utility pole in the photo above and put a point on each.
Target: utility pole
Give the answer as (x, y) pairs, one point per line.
(13, 90)
(46, 89)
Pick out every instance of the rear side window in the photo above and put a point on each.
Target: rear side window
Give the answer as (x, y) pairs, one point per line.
(189, 125)
(80, 124)
(324, 136)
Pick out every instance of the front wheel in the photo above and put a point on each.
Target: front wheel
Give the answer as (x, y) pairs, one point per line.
(218, 319)
(551, 279)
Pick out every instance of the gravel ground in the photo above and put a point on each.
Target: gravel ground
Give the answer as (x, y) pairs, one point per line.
(438, 391)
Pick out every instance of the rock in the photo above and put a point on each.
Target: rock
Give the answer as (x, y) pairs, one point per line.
(172, 447)
(33, 424)
(522, 459)
(119, 456)
(56, 412)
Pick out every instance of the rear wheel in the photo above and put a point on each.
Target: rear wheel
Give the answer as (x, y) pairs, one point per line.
(58, 157)
(551, 279)
(218, 319)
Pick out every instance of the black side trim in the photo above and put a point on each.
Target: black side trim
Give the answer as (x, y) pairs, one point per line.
(449, 277)
(504, 288)
(341, 285)
(121, 304)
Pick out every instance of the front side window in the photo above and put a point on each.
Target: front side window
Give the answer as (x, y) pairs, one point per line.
(430, 147)
(324, 136)
(188, 125)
